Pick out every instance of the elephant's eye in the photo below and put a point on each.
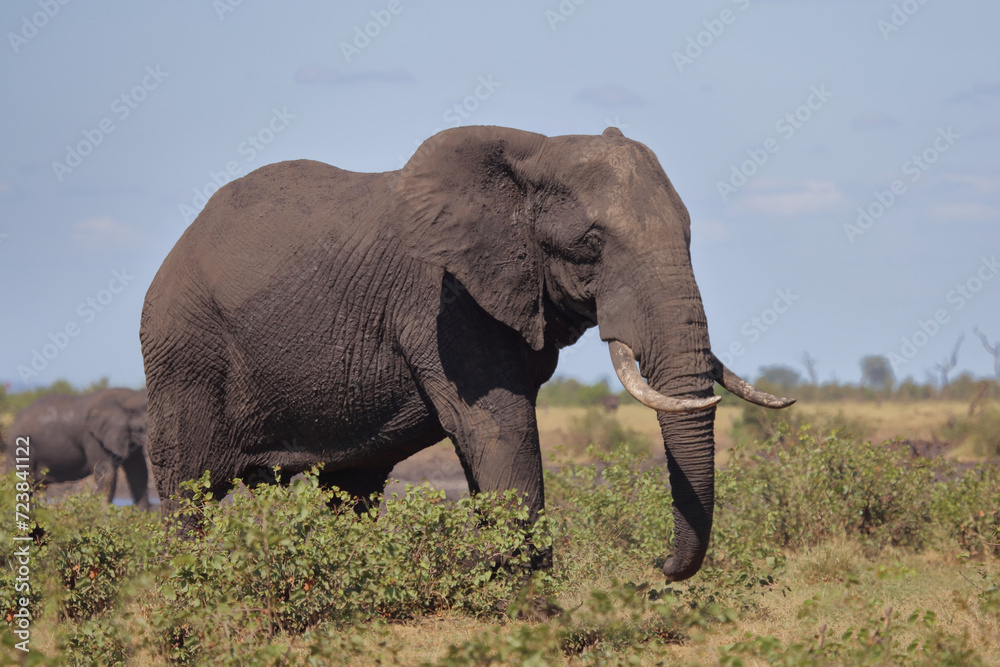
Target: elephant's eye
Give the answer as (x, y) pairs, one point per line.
(591, 245)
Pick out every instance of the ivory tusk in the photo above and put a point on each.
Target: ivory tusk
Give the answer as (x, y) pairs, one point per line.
(625, 366)
(740, 387)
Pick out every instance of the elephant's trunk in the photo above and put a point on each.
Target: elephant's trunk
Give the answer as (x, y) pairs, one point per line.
(689, 442)
(674, 353)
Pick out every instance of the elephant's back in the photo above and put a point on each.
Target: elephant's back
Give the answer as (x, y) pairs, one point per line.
(260, 228)
(53, 426)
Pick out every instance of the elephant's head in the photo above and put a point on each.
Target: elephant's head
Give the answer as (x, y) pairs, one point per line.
(554, 235)
(116, 420)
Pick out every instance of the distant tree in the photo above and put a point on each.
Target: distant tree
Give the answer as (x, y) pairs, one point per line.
(782, 377)
(993, 349)
(567, 391)
(876, 372)
(101, 384)
(909, 390)
(810, 363)
(948, 365)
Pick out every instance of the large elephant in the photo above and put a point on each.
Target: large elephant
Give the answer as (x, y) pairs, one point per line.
(312, 314)
(73, 437)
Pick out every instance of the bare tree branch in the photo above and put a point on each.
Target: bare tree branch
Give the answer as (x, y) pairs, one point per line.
(810, 363)
(992, 349)
(949, 364)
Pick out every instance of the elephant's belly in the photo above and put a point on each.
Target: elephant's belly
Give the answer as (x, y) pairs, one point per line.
(344, 425)
(68, 469)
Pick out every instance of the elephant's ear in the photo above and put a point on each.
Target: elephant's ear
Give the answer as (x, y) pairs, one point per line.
(465, 205)
(107, 424)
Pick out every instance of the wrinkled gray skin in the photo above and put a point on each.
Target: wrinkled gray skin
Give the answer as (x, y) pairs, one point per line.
(78, 436)
(313, 314)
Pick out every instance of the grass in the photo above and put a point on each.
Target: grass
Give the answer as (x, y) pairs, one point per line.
(793, 577)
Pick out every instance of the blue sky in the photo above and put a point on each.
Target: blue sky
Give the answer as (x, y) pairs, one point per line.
(776, 121)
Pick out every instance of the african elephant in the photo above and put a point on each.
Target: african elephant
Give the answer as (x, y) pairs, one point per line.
(73, 437)
(311, 314)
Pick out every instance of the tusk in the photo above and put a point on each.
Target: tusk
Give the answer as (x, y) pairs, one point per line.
(628, 373)
(740, 387)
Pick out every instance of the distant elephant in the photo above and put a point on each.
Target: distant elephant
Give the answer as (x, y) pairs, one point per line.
(311, 314)
(73, 437)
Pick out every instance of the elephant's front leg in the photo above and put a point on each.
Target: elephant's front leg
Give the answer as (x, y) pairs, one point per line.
(106, 478)
(496, 438)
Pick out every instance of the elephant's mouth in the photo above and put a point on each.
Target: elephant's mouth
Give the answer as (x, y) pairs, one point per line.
(564, 326)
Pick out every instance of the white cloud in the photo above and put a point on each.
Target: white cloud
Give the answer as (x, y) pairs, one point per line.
(981, 183)
(106, 231)
(787, 199)
(965, 212)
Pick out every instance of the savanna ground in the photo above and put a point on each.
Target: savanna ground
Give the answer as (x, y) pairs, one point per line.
(834, 543)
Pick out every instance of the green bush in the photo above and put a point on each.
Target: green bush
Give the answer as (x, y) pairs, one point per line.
(274, 575)
(797, 490)
(608, 510)
(756, 424)
(567, 391)
(278, 560)
(982, 430)
(615, 517)
(606, 433)
(100, 641)
(966, 510)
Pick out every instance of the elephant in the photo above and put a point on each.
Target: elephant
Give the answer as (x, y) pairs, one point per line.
(72, 437)
(316, 315)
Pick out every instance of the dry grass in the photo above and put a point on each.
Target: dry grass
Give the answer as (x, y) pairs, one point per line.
(922, 420)
(855, 591)
(850, 592)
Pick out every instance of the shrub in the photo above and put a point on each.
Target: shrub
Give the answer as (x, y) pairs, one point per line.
(606, 511)
(798, 490)
(606, 433)
(966, 510)
(982, 430)
(758, 425)
(278, 560)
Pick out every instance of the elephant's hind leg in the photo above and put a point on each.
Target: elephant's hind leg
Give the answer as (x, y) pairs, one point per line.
(188, 435)
(358, 483)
